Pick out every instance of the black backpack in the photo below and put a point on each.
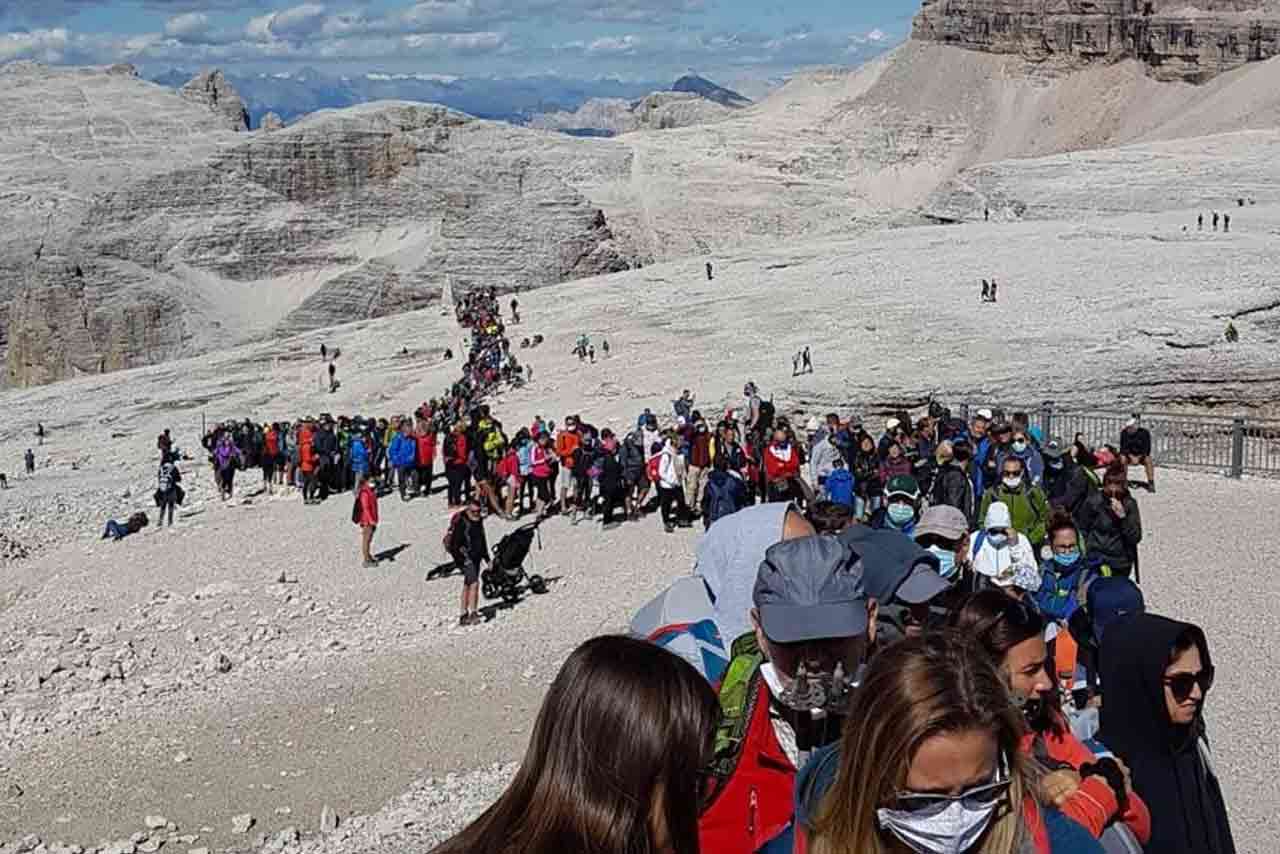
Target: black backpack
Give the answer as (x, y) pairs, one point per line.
(767, 411)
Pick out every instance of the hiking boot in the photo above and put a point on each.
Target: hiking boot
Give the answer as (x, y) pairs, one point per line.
(670, 529)
(464, 620)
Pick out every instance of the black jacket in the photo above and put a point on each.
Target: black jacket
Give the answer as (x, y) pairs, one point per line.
(1113, 541)
(1067, 487)
(1136, 443)
(469, 540)
(952, 487)
(1168, 762)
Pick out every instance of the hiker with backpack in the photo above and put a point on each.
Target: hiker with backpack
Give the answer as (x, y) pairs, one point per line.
(724, 495)
(1066, 572)
(168, 492)
(611, 478)
(951, 483)
(365, 514)
(1112, 524)
(666, 470)
(786, 691)
(465, 542)
(1027, 505)
(902, 505)
(1095, 793)
(457, 470)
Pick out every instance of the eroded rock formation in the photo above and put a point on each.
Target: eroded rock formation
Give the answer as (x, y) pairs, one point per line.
(1192, 41)
(214, 90)
(200, 237)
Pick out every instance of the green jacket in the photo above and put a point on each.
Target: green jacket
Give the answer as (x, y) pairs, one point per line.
(1028, 508)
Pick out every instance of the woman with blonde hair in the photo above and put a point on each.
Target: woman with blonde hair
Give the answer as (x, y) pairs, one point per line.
(930, 762)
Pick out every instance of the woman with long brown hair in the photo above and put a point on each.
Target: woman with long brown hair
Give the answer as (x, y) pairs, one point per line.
(930, 762)
(615, 762)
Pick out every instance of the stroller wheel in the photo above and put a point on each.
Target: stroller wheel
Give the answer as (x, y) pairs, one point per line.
(489, 591)
(537, 584)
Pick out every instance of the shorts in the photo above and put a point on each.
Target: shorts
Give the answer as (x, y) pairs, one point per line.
(564, 480)
(470, 569)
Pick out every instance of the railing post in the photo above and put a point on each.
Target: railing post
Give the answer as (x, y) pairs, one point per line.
(1046, 418)
(1237, 447)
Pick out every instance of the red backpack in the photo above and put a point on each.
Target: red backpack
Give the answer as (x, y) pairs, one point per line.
(653, 468)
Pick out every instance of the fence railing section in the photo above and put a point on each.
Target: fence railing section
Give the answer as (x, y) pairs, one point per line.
(1233, 446)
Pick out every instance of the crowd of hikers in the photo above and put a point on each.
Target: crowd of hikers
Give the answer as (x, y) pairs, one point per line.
(928, 639)
(926, 636)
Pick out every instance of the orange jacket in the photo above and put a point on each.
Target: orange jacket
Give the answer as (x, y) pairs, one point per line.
(1094, 803)
(566, 443)
(306, 450)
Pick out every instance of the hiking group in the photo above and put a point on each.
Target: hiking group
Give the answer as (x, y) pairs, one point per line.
(927, 641)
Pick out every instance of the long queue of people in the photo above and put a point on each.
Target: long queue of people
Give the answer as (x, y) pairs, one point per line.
(837, 675)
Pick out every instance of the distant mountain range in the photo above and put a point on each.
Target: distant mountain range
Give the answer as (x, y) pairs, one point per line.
(518, 100)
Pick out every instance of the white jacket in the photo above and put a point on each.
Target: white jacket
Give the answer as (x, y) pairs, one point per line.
(1012, 564)
(669, 474)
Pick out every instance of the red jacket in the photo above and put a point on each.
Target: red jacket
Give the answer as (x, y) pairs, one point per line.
(458, 445)
(368, 500)
(1094, 802)
(426, 449)
(755, 805)
(779, 469)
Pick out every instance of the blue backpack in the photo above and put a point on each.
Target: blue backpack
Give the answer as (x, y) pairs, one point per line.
(839, 487)
(721, 490)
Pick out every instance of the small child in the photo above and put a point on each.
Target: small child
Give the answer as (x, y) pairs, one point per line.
(839, 485)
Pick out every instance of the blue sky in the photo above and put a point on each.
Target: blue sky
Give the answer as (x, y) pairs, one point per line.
(731, 39)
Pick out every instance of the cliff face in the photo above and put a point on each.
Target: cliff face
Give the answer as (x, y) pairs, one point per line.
(143, 228)
(1191, 41)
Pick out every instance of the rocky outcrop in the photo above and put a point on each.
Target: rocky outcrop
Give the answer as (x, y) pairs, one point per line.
(655, 111)
(214, 90)
(271, 122)
(1192, 40)
(188, 237)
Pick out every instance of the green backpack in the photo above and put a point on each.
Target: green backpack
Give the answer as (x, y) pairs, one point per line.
(739, 692)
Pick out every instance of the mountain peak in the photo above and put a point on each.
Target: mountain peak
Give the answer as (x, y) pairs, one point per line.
(712, 92)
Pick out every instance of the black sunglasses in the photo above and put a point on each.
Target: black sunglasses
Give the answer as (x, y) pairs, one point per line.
(1181, 684)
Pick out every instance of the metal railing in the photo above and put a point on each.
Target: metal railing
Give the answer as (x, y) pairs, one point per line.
(1233, 446)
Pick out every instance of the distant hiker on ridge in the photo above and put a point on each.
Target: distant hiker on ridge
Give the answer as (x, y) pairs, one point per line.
(709, 276)
(807, 360)
(986, 291)
(1226, 223)
(1215, 220)
(515, 311)
(1231, 335)
(40, 432)
(30, 459)
(993, 290)
(1200, 222)
(324, 352)
(333, 381)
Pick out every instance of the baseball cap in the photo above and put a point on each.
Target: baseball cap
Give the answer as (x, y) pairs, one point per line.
(921, 585)
(985, 414)
(903, 484)
(1054, 448)
(1132, 422)
(809, 589)
(891, 424)
(943, 521)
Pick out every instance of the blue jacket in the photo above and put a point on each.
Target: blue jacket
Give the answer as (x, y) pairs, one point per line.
(839, 487)
(359, 456)
(1057, 597)
(403, 452)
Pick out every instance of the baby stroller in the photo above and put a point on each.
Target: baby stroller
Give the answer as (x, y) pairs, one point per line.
(506, 573)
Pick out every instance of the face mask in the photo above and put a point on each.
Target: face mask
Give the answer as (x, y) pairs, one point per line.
(900, 514)
(998, 540)
(1067, 559)
(951, 829)
(1019, 447)
(1012, 482)
(946, 560)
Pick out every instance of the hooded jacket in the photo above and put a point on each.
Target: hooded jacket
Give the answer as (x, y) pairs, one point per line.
(1169, 763)
(729, 557)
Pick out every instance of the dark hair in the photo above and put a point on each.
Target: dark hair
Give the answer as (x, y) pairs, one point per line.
(1060, 519)
(584, 787)
(1190, 638)
(997, 622)
(721, 462)
(828, 517)
(961, 450)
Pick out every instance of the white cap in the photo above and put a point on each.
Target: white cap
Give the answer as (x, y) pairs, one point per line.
(891, 424)
(986, 414)
(813, 425)
(998, 516)
(1132, 422)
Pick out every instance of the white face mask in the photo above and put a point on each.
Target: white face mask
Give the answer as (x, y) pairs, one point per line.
(952, 827)
(1013, 482)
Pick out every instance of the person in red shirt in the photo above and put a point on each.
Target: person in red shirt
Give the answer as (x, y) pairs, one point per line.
(455, 466)
(1085, 788)
(782, 470)
(426, 439)
(366, 516)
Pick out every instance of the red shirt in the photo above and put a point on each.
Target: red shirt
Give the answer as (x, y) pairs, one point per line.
(368, 506)
(426, 449)
(780, 464)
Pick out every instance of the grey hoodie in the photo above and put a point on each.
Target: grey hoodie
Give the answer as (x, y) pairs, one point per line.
(729, 557)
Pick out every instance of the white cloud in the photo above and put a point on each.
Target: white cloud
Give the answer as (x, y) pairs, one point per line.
(485, 42)
(43, 45)
(613, 45)
(877, 35)
(187, 26)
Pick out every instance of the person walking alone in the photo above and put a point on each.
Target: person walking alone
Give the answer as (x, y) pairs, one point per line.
(365, 514)
(167, 489)
(29, 459)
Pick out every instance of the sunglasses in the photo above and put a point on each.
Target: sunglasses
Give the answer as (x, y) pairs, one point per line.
(1181, 684)
(976, 798)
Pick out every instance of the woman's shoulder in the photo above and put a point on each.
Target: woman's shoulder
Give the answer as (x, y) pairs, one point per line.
(814, 780)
